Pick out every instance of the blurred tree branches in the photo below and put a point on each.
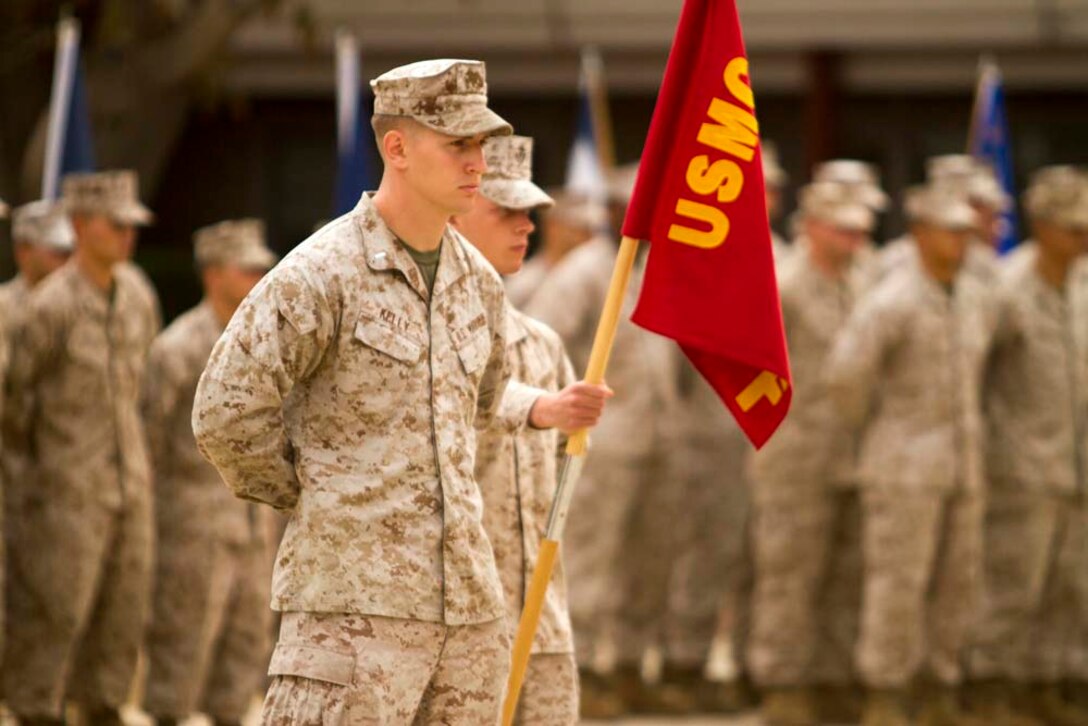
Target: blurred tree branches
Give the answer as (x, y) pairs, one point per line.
(147, 62)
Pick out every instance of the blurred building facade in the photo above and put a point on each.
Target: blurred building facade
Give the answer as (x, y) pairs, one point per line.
(887, 81)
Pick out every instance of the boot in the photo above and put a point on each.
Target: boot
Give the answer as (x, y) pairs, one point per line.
(1046, 703)
(789, 707)
(600, 698)
(653, 698)
(725, 697)
(104, 716)
(689, 689)
(1076, 692)
(941, 707)
(994, 702)
(839, 703)
(885, 708)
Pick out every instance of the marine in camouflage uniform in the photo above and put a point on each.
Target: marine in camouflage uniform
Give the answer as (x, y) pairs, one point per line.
(1037, 394)
(517, 455)
(345, 391)
(618, 564)
(43, 237)
(82, 542)
(801, 479)
(832, 671)
(863, 181)
(909, 364)
(207, 644)
(711, 566)
(964, 176)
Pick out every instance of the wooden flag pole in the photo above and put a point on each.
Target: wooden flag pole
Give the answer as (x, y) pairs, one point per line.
(575, 456)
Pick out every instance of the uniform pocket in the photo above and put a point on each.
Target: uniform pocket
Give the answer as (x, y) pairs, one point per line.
(474, 351)
(385, 340)
(315, 687)
(307, 661)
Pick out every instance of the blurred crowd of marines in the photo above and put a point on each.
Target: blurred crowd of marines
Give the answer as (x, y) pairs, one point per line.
(365, 436)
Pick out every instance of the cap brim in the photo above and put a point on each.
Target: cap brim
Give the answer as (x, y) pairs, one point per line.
(1078, 219)
(515, 193)
(135, 214)
(471, 120)
(997, 202)
(857, 218)
(876, 199)
(258, 258)
(954, 221)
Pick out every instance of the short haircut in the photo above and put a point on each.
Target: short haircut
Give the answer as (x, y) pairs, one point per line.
(383, 123)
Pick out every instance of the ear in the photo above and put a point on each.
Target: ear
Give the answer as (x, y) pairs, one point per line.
(394, 148)
(79, 223)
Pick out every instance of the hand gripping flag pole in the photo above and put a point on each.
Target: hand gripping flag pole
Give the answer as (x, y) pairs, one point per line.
(568, 478)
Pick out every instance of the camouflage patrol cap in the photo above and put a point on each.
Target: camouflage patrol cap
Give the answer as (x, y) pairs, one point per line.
(578, 210)
(44, 223)
(967, 175)
(940, 206)
(239, 242)
(114, 194)
(447, 95)
(861, 178)
(773, 174)
(1059, 194)
(509, 178)
(837, 204)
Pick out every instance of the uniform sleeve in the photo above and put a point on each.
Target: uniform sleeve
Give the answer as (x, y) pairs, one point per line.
(161, 395)
(853, 367)
(275, 340)
(566, 377)
(517, 403)
(36, 346)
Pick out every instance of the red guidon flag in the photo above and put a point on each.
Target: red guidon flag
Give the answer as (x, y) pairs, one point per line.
(700, 202)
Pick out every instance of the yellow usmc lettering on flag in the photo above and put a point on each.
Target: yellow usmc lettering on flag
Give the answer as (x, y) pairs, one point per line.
(766, 385)
(734, 131)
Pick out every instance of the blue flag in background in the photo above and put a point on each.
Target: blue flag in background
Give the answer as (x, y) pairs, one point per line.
(585, 177)
(990, 142)
(78, 149)
(68, 142)
(353, 172)
(585, 171)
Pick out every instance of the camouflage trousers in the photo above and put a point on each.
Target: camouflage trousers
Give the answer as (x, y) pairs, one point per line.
(923, 555)
(549, 696)
(209, 639)
(803, 618)
(648, 549)
(710, 557)
(597, 565)
(335, 669)
(838, 613)
(1036, 586)
(78, 591)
